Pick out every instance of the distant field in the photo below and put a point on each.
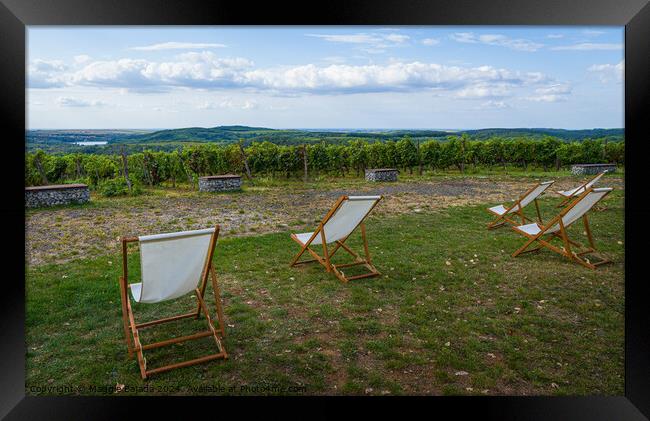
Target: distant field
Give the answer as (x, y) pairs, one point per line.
(453, 313)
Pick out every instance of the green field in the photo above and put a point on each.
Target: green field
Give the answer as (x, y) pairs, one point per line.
(453, 312)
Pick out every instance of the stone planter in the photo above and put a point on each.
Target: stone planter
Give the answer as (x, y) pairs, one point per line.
(218, 183)
(587, 169)
(381, 174)
(59, 194)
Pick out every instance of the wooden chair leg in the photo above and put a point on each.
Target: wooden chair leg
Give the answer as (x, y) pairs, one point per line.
(142, 361)
(300, 253)
(539, 215)
(125, 318)
(217, 299)
(365, 243)
(206, 313)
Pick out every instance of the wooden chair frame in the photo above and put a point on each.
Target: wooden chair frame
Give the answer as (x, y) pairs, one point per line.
(583, 186)
(503, 218)
(131, 333)
(566, 249)
(340, 244)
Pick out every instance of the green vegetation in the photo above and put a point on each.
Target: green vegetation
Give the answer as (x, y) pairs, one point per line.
(452, 313)
(288, 161)
(118, 187)
(64, 141)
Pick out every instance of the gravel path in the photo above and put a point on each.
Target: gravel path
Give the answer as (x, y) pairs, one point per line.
(59, 235)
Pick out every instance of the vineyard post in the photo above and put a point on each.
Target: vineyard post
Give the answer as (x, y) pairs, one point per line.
(125, 164)
(420, 170)
(77, 161)
(39, 166)
(146, 168)
(245, 159)
(304, 160)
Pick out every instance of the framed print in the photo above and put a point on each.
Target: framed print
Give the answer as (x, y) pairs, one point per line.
(228, 202)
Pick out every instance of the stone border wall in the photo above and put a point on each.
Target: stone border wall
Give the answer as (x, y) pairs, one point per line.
(381, 174)
(589, 169)
(60, 194)
(218, 183)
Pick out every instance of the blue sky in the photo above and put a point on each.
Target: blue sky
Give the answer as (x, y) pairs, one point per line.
(458, 77)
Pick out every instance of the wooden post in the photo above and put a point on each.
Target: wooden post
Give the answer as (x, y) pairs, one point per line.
(39, 167)
(420, 169)
(304, 160)
(125, 164)
(245, 159)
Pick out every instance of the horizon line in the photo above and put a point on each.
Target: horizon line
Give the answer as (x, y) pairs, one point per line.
(326, 128)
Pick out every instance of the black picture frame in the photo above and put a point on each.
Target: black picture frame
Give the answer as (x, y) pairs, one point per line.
(15, 15)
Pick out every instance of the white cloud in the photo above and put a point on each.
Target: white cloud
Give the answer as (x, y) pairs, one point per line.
(397, 38)
(607, 72)
(46, 74)
(82, 58)
(178, 46)
(484, 90)
(551, 93)
(589, 46)
(349, 38)
(64, 101)
(592, 33)
(493, 105)
(555, 36)
(198, 70)
(372, 43)
(228, 103)
(205, 70)
(397, 76)
(430, 41)
(518, 44)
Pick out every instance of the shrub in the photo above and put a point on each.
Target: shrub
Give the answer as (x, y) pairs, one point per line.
(118, 187)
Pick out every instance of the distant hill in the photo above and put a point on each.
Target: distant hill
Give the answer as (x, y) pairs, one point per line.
(67, 140)
(559, 133)
(229, 134)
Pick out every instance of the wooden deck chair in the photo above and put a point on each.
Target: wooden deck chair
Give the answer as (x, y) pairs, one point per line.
(557, 229)
(567, 195)
(503, 213)
(346, 215)
(172, 265)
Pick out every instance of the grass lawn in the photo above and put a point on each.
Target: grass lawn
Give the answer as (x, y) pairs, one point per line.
(453, 313)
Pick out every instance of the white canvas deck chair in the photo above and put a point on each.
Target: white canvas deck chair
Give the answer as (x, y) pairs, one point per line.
(172, 265)
(567, 195)
(557, 229)
(346, 215)
(504, 214)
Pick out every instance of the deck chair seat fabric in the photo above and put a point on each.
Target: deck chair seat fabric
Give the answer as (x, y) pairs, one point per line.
(583, 188)
(305, 236)
(571, 216)
(136, 291)
(581, 208)
(516, 208)
(537, 191)
(499, 210)
(344, 221)
(530, 229)
(171, 264)
(569, 193)
(337, 225)
(523, 201)
(543, 235)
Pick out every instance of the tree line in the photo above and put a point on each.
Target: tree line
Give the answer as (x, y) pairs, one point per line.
(186, 164)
